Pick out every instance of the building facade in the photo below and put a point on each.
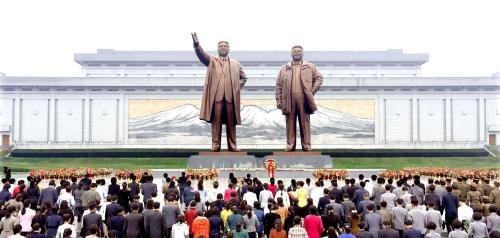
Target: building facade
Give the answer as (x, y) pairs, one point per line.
(137, 99)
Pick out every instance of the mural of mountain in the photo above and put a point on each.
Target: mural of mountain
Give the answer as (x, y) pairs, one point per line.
(259, 123)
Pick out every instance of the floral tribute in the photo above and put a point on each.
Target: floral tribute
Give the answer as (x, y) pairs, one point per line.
(443, 172)
(330, 174)
(205, 174)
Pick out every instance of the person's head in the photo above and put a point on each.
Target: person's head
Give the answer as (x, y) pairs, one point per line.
(477, 216)
(92, 206)
(94, 229)
(216, 184)
(134, 206)
(492, 208)
(256, 204)
(113, 180)
(277, 224)
(17, 229)
(347, 229)
(234, 209)
(297, 220)
(297, 53)
(36, 227)
(457, 224)
(345, 197)
(386, 224)
(112, 234)
(180, 219)
(430, 204)
(223, 48)
(313, 210)
(93, 186)
(370, 207)
(431, 225)
(66, 218)
(362, 184)
(399, 202)
(361, 225)
(461, 201)
(52, 183)
(383, 204)
(408, 223)
(120, 210)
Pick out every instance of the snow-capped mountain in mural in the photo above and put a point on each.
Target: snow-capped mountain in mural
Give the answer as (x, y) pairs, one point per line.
(258, 122)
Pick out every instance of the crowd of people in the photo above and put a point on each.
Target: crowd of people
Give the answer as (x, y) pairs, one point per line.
(251, 207)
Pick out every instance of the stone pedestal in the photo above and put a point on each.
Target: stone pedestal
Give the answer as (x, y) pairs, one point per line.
(222, 160)
(299, 159)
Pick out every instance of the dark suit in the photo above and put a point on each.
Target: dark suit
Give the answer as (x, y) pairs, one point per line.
(147, 189)
(113, 189)
(338, 194)
(155, 224)
(450, 205)
(116, 223)
(134, 225)
(412, 233)
(48, 194)
(111, 211)
(358, 196)
(364, 234)
(388, 233)
(88, 220)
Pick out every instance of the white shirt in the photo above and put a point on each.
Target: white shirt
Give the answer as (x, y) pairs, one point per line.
(68, 198)
(103, 193)
(316, 194)
(283, 194)
(369, 187)
(212, 194)
(389, 198)
(160, 200)
(465, 213)
(16, 236)
(250, 197)
(180, 230)
(264, 196)
(61, 228)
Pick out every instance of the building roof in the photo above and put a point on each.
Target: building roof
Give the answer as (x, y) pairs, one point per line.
(391, 55)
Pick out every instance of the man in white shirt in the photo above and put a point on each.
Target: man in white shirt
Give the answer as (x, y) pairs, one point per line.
(464, 211)
(406, 197)
(388, 197)
(212, 192)
(66, 196)
(264, 196)
(316, 193)
(66, 225)
(101, 189)
(250, 196)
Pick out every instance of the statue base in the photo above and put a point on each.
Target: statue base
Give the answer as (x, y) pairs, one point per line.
(299, 160)
(224, 159)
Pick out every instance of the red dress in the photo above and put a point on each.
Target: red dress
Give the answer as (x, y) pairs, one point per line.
(313, 226)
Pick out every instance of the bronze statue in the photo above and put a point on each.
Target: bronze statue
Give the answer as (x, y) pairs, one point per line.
(296, 85)
(220, 103)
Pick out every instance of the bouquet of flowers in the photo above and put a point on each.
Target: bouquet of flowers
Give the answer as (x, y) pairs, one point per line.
(206, 174)
(443, 172)
(330, 174)
(271, 166)
(67, 173)
(124, 174)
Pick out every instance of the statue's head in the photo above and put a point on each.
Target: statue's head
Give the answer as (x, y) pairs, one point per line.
(297, 52)
(223, 48)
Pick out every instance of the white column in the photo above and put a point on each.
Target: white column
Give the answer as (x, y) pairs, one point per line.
(377, 118)
(480, 120)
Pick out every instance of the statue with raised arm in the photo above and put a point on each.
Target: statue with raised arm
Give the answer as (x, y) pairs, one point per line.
(296, 84)
(220, 103)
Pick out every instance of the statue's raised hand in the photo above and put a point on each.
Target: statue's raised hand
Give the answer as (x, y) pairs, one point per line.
(196, 43)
